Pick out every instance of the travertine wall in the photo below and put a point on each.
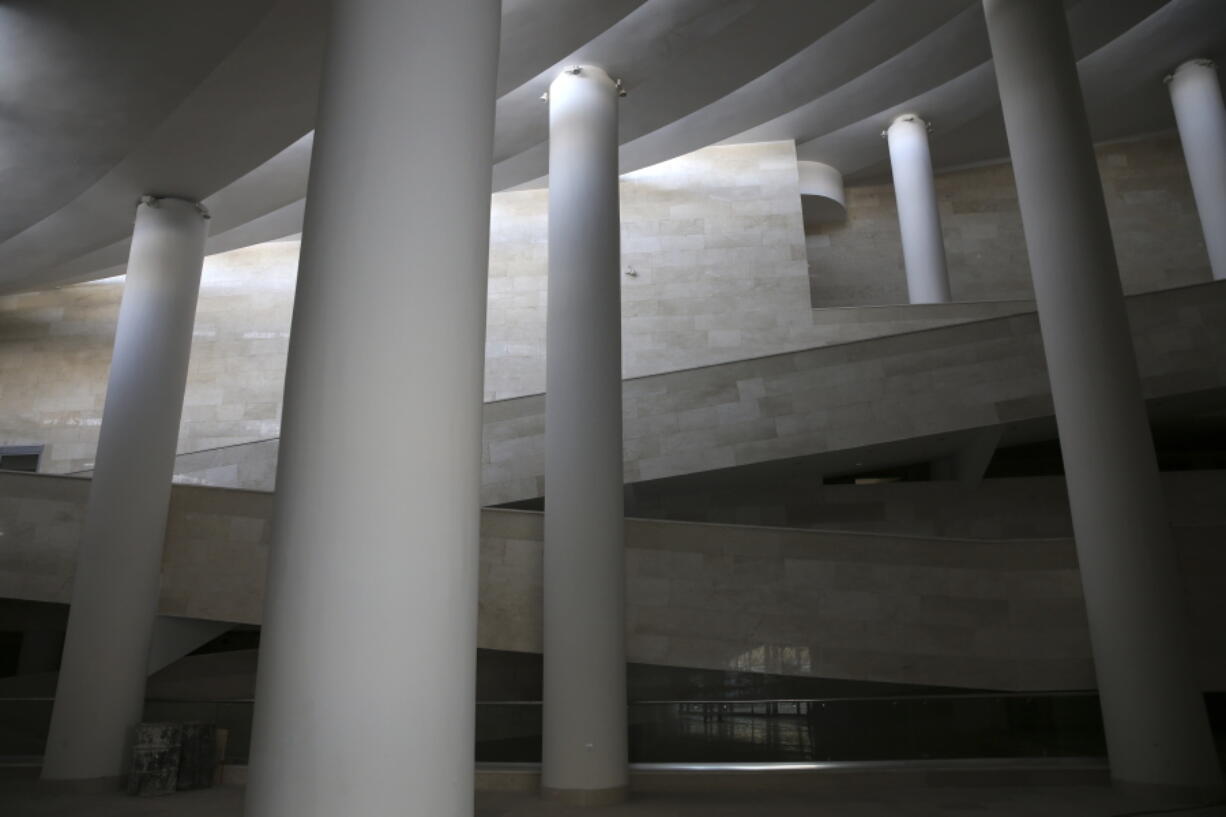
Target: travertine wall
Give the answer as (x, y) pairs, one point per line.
(939, 383)
(713, 263)
(1157, 233)
(714, 238)
(713, 270)
(920, 610)
(945, 384)
(55, 353)
(716, 244)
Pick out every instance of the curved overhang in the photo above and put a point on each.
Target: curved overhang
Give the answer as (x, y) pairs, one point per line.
(822, 197)
(229, 122)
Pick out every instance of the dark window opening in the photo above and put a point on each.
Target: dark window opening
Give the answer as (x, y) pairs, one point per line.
(20, 458)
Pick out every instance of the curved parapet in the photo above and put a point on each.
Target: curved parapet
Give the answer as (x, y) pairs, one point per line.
(822, 198)
(1003, 614)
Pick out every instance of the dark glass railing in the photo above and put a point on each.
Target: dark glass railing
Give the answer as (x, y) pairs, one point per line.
(903, 728)
(900, 728)
(1022, 725)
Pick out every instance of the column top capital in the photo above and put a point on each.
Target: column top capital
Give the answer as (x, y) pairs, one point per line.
(156, 201)
(593, 70)
(1195, 62)
(907, 117)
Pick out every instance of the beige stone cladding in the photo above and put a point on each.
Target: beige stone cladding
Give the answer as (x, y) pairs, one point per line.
(713, 267)
(940, 381)
(946, 379)
(713, 243)
(1154, 223)
(55, 352)
(973, 613)
(713, 239)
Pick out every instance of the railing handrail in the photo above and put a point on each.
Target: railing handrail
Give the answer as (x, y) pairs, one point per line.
(190, 453)
(953, 696)
(959, 696)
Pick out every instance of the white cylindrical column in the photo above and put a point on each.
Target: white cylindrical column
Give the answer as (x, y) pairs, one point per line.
(923, 248)
(1157, 731)
(1196, 96)
(584, 760)
(366, 684)
(101, 690)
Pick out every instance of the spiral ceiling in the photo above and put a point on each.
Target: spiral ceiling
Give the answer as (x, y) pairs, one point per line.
(103, 102)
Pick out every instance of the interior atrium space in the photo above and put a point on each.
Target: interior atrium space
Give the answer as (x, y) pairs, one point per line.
(655, 408)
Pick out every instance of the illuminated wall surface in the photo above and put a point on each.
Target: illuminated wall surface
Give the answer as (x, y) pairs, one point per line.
(716, 267)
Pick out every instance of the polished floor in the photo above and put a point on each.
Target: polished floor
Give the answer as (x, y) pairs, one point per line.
(27, 799)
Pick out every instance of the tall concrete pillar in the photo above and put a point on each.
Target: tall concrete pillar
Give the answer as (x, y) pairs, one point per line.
(101, 689)
(584, 759)
(923, 248)
(1197, 98)
(1157, 732)
(366, 684)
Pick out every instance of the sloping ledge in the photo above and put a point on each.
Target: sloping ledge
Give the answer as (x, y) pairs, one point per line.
(874, 392)
(986, 614)
(252, 465)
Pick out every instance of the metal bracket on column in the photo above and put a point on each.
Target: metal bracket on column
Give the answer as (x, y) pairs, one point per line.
(578, 69)
(908, 117)
(155, 201)
(1202, 62)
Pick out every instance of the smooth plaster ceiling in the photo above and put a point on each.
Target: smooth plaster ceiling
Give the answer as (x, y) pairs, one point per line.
(103, 101)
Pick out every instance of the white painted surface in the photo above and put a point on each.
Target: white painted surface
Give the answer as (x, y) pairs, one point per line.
(817, 179)
(923, 248)
(823, 74)
(375, 544)
(823, 199)
(1196, 96)
(584, 742)
(1153, 712)
(110, 624)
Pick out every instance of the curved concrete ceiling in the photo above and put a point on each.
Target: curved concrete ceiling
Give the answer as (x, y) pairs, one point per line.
(63, 66)
(101, 102)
